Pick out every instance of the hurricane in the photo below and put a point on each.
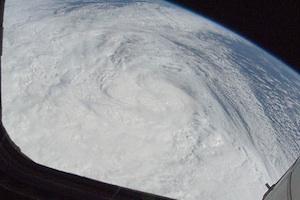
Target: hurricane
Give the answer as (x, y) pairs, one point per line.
(147, 95)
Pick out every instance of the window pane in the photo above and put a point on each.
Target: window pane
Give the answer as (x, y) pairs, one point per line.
(147, 95)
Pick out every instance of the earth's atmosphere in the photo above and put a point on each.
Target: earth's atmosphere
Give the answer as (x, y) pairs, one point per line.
(147, 95)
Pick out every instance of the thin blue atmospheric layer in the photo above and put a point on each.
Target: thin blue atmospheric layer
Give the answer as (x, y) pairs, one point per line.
(268, 77)
(292, 70)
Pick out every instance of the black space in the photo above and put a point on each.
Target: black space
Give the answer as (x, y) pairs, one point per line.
(272, 25)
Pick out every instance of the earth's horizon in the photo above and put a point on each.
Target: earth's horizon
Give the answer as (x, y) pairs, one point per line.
(147, 95)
